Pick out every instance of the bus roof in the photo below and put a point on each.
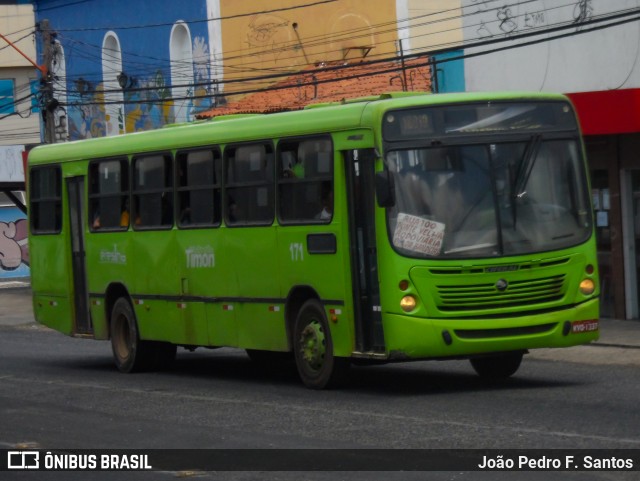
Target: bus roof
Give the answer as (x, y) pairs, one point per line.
(322, 118)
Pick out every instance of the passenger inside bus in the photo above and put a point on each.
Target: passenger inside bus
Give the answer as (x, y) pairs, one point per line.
(327, 202)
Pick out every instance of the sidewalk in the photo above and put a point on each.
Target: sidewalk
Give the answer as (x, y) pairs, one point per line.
(16, 309)
(617, 333)
(15, 303)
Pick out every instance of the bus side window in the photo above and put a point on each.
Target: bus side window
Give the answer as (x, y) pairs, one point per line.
(305, 181)
(46, 200)
(199, 188)
(109, 194)
(249, 184)
(153, 191)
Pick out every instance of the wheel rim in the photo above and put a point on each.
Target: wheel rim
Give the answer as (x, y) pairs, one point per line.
(122, 338)
(313, 345)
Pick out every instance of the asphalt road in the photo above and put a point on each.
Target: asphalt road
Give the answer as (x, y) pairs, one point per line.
(59, 393)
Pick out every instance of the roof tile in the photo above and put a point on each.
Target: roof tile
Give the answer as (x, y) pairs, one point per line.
(331, 83)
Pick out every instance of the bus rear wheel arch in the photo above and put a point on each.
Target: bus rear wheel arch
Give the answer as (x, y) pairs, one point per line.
(129, 352)
(317, 366)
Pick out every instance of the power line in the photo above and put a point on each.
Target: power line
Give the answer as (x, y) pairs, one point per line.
(206, 20)
(276, 76)
(595, 25)
(319, 40)
(539, 32)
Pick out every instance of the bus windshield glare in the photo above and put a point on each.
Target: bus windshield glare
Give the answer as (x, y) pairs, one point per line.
(487, 195)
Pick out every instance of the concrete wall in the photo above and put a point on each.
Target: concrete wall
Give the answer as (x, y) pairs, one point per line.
(17, 23)
(601, 60)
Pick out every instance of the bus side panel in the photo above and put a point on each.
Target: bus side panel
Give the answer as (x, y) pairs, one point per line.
(323, 272)
(110, 255)
(260, 312)
(205, 270)
(52, 292)
(156, 291)
(99, 319)
(221, 323)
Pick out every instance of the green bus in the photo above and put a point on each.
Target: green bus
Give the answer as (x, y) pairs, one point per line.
(389, 228)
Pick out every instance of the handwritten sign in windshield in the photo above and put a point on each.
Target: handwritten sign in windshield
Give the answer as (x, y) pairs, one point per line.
(418, 235)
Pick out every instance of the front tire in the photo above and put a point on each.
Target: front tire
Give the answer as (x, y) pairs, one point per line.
(318, 368)
(129, 352)
(497, 367)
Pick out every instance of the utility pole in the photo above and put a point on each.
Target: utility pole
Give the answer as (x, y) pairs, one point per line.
(49, 104)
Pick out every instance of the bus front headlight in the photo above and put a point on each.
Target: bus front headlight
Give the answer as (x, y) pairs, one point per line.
(408, 303)
(587, 286)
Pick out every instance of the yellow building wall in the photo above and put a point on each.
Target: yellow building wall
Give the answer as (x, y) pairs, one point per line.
(23, 128)
(20, 19)
(433, 25)
(287, 39)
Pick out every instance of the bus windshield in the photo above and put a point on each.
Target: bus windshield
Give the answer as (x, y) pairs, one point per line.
(490, 199)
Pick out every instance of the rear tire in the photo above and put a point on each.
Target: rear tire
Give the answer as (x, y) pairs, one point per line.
(129, 352)
(497, 367)
(317, 367)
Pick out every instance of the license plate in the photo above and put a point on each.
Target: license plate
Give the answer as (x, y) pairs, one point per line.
(578, 327)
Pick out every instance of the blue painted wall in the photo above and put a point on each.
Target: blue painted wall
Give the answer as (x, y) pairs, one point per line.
(450, 71)
(81, 28)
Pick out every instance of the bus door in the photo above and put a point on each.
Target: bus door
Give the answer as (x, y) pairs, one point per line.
(360, 177)
(75, 192)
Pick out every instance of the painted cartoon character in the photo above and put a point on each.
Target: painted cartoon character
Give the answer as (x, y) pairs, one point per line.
(14, 249)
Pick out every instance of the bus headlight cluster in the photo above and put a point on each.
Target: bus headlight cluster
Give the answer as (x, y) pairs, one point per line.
(587, 286)
(408, 303)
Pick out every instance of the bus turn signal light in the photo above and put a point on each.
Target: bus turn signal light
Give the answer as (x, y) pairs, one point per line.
(587, 286)
(408, 303)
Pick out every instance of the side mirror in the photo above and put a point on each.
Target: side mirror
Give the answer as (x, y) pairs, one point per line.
(385, 189)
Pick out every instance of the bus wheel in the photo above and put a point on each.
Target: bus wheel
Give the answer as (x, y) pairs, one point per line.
(317, 366)
(129, 352)
(497, 367)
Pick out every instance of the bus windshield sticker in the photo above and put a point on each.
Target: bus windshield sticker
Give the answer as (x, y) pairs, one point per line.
(418, 235)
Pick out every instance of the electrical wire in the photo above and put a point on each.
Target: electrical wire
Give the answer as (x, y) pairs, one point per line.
(206, 20)
(468, 45)
(594, 24)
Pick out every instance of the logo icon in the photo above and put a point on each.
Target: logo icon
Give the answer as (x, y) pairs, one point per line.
(502, 285)
(23, 460)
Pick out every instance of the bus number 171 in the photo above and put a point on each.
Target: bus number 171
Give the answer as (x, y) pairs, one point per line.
(297, 251)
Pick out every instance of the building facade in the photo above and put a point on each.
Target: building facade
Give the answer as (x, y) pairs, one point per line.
(19, 109)
(19, 128)
(121, 66)
(589, 50)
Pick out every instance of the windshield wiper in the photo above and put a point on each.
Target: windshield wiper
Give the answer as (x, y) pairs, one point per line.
(524, 172)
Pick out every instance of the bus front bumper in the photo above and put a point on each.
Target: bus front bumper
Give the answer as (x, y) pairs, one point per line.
(409, 337)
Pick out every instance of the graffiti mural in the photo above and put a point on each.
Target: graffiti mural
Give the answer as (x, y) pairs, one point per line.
(148, 103)
(147, 106)
(203, 92)
(14, 249)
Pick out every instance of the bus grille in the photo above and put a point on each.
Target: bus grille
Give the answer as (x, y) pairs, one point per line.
(486, 296)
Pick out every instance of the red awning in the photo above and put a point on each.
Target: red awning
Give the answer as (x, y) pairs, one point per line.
(608, 111)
